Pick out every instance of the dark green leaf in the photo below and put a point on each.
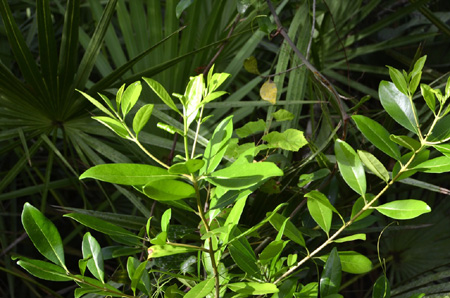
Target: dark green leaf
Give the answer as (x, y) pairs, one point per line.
(377, 135)
(353, 262)
(350, 166)
(443, 148)
(253, 288)
(251, 128)
(419, 158)
(201, 289)
(290, 139)
(141, 118)
(137, 278)
(406, 142)
(242, 254)
(290, 230)
(308, 178)
(169, 190)
(182, 6)
(92, 251)
(404, 209)
(428, 96)
(397, 105)
(330, 280)
(374, 165)
(381, 288)
(320, 212)
(43, 234)
(44, 270)
(271, 251)
(127, 174)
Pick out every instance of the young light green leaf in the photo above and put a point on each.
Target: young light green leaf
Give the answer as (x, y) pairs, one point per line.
(107, 101)
(127, 174)
(290, 230)
(331, 277)
(193, 94)
(242, 253)
(216, 80)
(92, 251)
(44, 270)
(202, 289)
(158, 251)
(438, 165)
(377, 135)
(353, 262)
(130, 97)
(404, 209)
(217, 146)
(406, 142)
(398, 79)
(119, 96)
(283, 115)
(165, 220)
(290, 139)
(351, 238)
(168, 190)
(350, 166)
(397, 105)
(374, 165)
(253, 288)
(381, 288)
(251, 128)
(271, 251)
(113, 124)
(212, 96)
(141, 118)
(162, 94)
(97, 104)
(169, 128)
(43, 234)
(428, 96)
(320, 212)
(137, 277)
(447, 88)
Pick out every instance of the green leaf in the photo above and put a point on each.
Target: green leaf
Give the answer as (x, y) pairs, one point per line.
(428, 96)
(420, 157)
(43, 234)
(397, 105)
(158, 251)
(290, 139)
(217, 146)
(137, 276)
(193, 94)
(92, 251)
(320, 212)
(253, 288)
(440, 131)
(119, 96)
(251, 65)
(242, 253)
(168, 190)
(44, 270)
(240, 176)
(120, 234)
(308, 178)
(127, 174)
(443, 148)
(398, 79)
(271, 251)
(251, 128)
(290, 230)
(350, 166)
(351, 238)
(113, 124)
(212, 96)
(162, 94)
(447, 88)
(188, 167)
(216, 80)
(331, 277)
(406, 142)
(201, 289)
(416, 74)
(283, 115)
(404, 209)
(130, 97)
(377, 135)
(165, 220)
(352, 262)
(97, 104)
(182, 6)
(436, 165)
(359, 204)
(374, 165)
(381, 288)
(141, 118)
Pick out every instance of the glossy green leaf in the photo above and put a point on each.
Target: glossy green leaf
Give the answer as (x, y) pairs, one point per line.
(320, 212)
(165, 220)
(310, 290)
(44, 270)
(290, 230)
(443, 148)
(436, 165)
(447, 88)
(113, 124)
(217, 146)
(193, 94)
(440, 131)
(251, 128)
(127, 174)
(240, 176)
(290, 139)
(374, 165)
(308, 178)
(271, 251)
(381, 288)
(201, 289)
(419, 158)
(43, 234)
(287, 288)
(97, 104)
(99, 288)
(130, 97)
(397, 105)
(331, 277)
(352, 262)
(253, 288)
(404, 209)
(350, 166)
(169, 190)
(406, 142)
(351, 238)
(428, 96)
(137, 275)
(283, 115)
(141, 118)
(216, 80)
(242, 254)
(398, 79)
(377, 135)
(119, 96)
(92, 251)
(359, 204)
(416, 74)
(157, 251)
(162, 94)
(125, 236)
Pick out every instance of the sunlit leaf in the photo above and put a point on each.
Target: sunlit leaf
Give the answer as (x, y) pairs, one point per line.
(290, 139)
(374, 165)
(44, 270)
(439, 165)
(157, 251)
(353, 262)
(253, 288)
(351, 238)
(250, 128)
(92, 251)
(406, 142)
(428, 96)
(290, 230)
(113, 124)
(201, 289)
(130, 97)
(350, 166)
(283, 115)
(268, 92)
(162, 94)
(141, 118)
(404, 209)
(330, 280)
(169, 190)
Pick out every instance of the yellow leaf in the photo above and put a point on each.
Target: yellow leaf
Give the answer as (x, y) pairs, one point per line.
(268, 92)
(251, 65)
